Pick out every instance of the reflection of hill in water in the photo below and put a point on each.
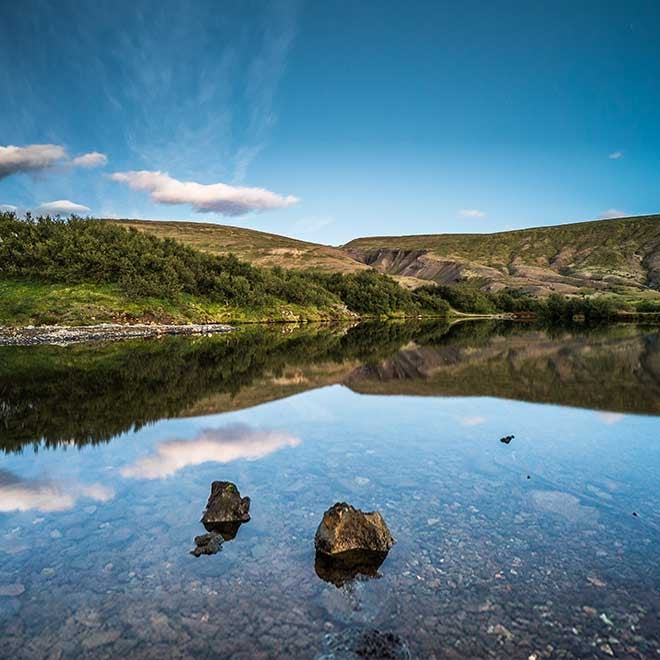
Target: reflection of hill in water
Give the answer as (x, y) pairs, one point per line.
(617, 371)
(89, 394)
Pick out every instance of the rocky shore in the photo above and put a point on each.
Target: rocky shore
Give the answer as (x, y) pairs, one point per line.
(55, 334)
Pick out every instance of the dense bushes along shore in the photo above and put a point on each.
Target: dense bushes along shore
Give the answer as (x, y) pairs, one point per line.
(89, 251)
(81, 251)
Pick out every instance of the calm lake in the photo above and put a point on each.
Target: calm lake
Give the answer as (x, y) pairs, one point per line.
(548, 546)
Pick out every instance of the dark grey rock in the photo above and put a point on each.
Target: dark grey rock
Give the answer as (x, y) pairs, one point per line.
(226, 505)
(207, 544)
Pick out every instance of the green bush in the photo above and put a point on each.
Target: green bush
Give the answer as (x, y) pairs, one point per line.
(92, 251)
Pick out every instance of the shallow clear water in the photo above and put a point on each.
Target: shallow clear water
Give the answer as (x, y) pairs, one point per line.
(504, 550)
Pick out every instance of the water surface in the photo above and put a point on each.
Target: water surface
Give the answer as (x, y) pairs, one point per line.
(547, 545)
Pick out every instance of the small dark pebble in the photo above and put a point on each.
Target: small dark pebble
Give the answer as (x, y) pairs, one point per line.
(635, 514)
(528, 477)
(507, 439)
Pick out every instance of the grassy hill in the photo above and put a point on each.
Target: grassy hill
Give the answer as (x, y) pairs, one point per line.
(257, 247)
(621, 255)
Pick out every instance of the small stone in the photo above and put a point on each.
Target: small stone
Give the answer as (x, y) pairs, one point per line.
(56, 534)
(500, 630)
(207, 544)
(100, 638)
(11, 590)
(605, 619)
(433, 521)
(606, 648)
(597, 583)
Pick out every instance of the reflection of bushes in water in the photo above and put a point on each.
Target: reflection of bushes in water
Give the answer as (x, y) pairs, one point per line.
(88, 394)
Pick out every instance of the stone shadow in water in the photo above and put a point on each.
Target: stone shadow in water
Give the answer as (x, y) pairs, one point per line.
(348, 566)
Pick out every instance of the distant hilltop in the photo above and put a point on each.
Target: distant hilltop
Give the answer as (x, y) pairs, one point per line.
(620, 255)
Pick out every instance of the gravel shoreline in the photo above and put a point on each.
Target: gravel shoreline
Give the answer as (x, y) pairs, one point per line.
(56, 334)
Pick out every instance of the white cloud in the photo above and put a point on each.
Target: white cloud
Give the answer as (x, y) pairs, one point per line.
(39, 157)
(615, 155)
(92, 159)
(8, 207)
(17, 494)
(211, 445)
(610, 417)
(610, 214)
(471, 213)
(61, 207)
(205, 198)
(473, 421)
(32, 158)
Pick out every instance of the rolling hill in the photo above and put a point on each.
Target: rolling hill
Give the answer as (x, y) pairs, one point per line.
(621, 255)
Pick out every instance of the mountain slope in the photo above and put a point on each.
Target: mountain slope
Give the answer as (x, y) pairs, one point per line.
(606, 254)
(621, 255)
(258, 247)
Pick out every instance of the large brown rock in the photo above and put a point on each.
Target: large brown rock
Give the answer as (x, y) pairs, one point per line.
(346, 528)
(226, 505)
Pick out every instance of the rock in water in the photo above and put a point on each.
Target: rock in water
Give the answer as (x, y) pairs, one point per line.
(507, 439)
(345, 528)
(226, 505)
(207, 544)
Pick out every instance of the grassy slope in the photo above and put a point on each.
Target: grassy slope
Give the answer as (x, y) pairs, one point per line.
(626, 251)
(621, 255)
(257, 247)
(25, 302)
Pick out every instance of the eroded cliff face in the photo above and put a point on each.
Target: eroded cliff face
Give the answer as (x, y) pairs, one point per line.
(605, 255)
(423, 265)
(565, 273)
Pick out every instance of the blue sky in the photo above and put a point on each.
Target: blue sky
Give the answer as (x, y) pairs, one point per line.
(330, 120)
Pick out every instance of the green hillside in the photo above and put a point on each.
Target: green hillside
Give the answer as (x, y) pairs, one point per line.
(620, 255)
(257, 247)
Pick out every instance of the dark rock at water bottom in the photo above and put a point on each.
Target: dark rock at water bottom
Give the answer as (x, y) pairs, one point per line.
(225, 512)
(211, 543)
(370, 643)
(347, 566)
(507, 439)
(207, 544)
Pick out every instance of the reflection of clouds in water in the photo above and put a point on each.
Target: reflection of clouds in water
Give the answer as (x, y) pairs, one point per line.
(210, 445)
(564, 504)
(473, 421)
(17, 494)
(610, 417)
